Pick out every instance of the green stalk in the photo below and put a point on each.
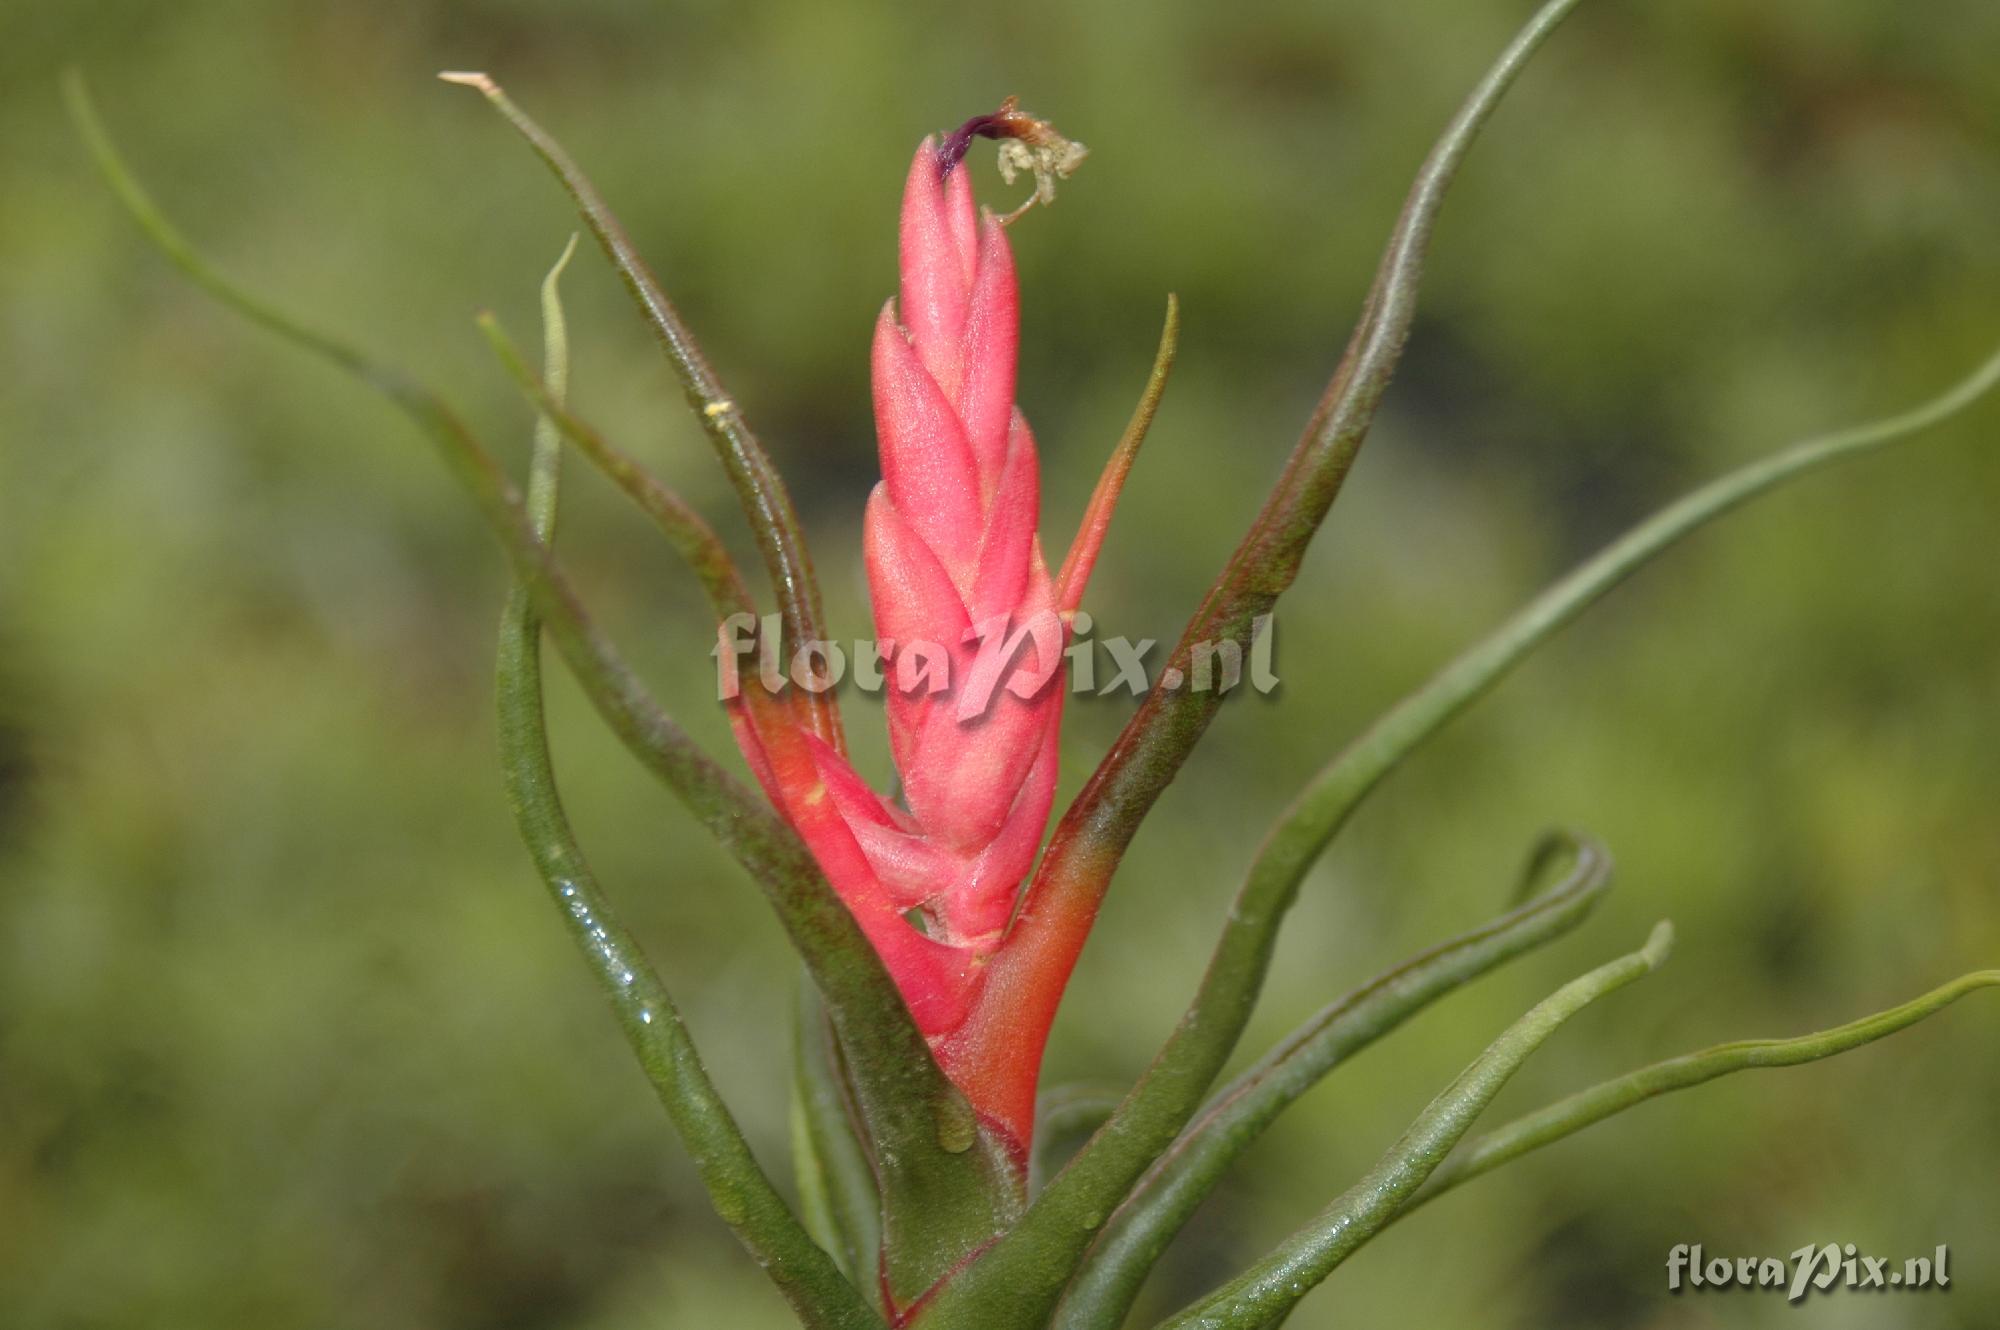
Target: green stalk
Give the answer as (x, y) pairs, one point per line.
(1104, 1289)
(1269, 1289)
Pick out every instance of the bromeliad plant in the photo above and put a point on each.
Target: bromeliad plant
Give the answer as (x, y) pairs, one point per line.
(936, 942)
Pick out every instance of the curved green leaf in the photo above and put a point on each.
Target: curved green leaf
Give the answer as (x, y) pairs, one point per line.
(1568, 1116)
(742, 821)
(1271, 1287)
(1167, 1196)
(1170, 722)
(1242, 955)
(1339, 787)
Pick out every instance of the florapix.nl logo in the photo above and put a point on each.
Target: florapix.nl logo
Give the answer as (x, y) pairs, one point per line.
(1810, 1269)
(1022, 658)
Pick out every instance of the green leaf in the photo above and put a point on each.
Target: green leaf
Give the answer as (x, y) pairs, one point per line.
(1111, 481)
(950, 1186)
(1270, 1288)
(742, 1195)
(766, 502)
(545, 458)
(742, 821)
(1569, 1116)
(1140, 1230)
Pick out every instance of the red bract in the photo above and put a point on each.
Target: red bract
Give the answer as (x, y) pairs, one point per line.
(973, 628)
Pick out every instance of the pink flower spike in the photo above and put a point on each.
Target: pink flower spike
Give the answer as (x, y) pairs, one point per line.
(959, 586)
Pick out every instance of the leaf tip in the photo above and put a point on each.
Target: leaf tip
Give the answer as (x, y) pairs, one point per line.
(79, 103)
(471, 78)
(1659, 945)
(562, 261)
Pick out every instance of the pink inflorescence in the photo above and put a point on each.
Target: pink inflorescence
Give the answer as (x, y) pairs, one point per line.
(960, 590)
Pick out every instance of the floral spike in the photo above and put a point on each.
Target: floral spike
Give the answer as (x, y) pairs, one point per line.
(963, 600)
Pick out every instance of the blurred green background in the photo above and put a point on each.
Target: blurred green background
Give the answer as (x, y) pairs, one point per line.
(289, 1036)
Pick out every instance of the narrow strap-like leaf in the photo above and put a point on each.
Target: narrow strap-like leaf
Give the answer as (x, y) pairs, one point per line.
(1029, 973)
(545, 459)
(1272, 1286)
(938, 1197)
(1568, 1116)
(767, 504)
(928, 1128)
(737, 1186)
(815, 1211)
(744, 823)
(1140, 1230)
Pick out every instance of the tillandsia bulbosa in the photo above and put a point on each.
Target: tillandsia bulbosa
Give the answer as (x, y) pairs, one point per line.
(939, 925)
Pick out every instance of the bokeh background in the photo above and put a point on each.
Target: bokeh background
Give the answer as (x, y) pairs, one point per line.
(288, 1034)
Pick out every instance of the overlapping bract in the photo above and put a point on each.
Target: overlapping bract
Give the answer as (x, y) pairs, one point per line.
(967, 615)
